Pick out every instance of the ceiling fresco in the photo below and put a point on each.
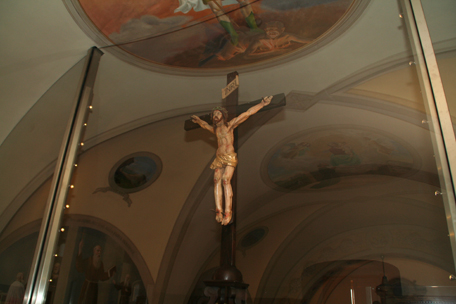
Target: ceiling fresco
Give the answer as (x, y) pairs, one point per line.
(212, 34)
(338, 157)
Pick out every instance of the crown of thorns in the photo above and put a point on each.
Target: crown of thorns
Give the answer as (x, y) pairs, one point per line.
(221, 109)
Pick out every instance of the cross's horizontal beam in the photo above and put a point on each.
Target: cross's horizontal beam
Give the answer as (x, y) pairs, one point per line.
(277, 101)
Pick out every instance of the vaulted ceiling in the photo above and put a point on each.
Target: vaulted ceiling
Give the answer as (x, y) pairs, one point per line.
(344, 171)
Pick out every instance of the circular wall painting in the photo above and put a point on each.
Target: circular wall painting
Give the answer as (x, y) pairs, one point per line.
(210, 34)
(338, 157)
(253, 237)
(135, 172)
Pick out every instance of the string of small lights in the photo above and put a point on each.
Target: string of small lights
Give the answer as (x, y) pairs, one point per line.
(88, 111)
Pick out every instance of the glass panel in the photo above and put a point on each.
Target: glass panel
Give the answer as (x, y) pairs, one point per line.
(338, 195)
(34, 144)
(441, 21)
(74, 268)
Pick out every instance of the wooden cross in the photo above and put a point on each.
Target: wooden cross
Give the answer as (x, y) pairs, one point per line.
(227, 281)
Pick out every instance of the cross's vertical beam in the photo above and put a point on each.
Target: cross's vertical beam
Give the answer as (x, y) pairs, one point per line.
(227, 274)
(228, 245)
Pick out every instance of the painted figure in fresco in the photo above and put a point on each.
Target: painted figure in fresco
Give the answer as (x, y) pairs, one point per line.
(229, 50)
(129, 175)
(273, 40)
(125, 290)
(217, 8)
(295, 150)
(342, 154)
(225, 158)
(16, 290)
(94, 272)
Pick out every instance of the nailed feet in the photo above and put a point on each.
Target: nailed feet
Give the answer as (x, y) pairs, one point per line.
(218, 216)
(227, 218)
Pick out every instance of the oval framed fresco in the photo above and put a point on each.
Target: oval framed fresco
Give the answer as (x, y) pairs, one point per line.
(253, 237)
(213, 36)
(135, 172)
(340, 156)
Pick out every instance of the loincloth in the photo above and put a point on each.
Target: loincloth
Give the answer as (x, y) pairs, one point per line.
(221, 161)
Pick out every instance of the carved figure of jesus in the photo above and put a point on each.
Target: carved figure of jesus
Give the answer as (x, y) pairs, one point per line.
(225, 157)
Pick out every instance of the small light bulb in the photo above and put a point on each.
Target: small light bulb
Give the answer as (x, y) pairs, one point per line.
(56, 255)
(62, 229)
(75, 165)
(90, 107)
(67, 206)
(82, 144)
(85, 124)
(72, 186)
(401, 16)
(50, 280)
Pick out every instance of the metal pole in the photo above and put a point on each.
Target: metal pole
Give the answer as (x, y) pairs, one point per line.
(436, 104)
(436, 86)
(47, 240)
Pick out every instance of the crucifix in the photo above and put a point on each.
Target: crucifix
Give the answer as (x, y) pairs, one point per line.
(223, 123)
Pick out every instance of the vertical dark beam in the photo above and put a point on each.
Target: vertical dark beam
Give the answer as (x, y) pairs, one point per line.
(228, 243)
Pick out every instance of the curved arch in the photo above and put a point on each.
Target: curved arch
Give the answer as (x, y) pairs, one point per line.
(118, 236)
(331, 275)
(361, 229)
(110, 230)
(26, 230)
